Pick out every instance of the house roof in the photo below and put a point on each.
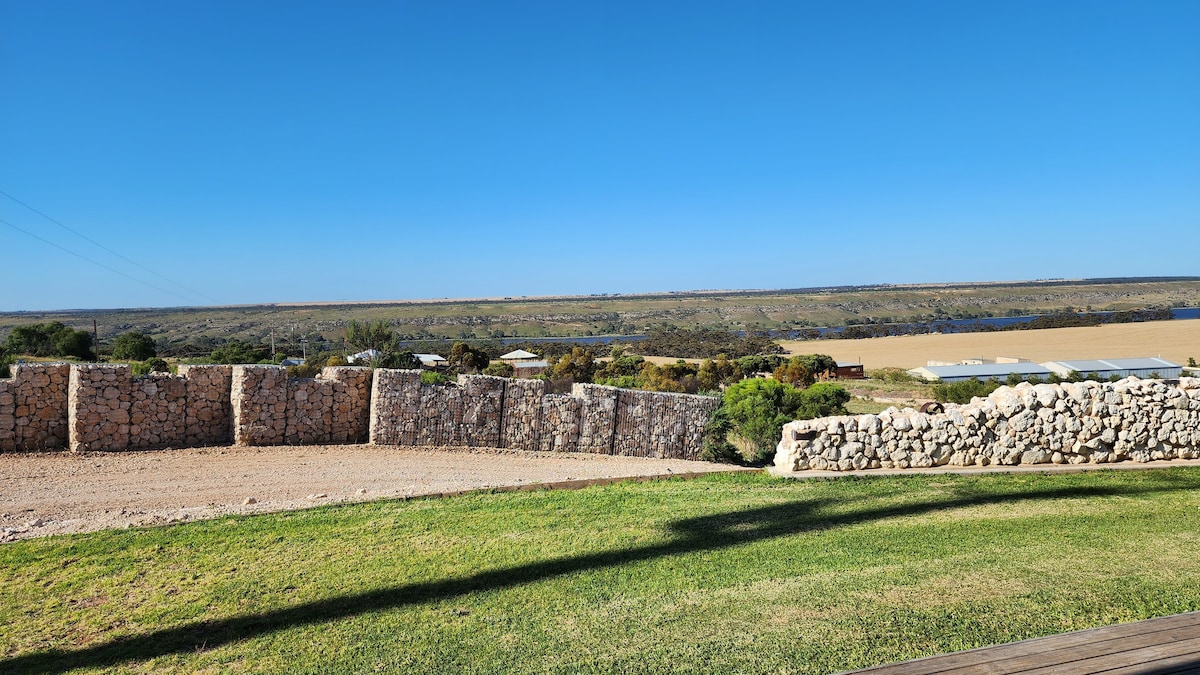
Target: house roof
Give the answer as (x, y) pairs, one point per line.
(430, 359)
(532, 364)
(519, 354)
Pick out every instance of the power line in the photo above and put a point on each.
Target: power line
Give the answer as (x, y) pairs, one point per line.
(87, 259)
(96, 243)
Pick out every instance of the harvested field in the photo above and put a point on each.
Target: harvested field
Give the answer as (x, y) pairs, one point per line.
(1172, 340)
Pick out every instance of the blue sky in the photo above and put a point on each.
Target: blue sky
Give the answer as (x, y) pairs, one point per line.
(247, 152)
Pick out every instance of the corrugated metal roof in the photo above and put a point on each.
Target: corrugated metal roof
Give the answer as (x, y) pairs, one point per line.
(1102, 365)
(532, 364)
(847, 364)
(988, 370)
(430, 358)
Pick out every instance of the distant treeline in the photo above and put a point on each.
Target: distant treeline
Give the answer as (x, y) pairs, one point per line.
(704, 343)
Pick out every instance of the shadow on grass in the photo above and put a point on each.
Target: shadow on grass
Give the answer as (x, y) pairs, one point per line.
(706, 533)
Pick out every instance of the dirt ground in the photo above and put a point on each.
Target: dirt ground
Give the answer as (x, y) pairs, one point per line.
(53, 493)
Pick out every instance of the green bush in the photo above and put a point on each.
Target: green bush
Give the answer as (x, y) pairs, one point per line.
(758, 408)
(133, 346)
(433, 377)
(963, 392)
(499, 369)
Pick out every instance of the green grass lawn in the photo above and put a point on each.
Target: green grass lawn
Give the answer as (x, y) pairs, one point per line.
(728, 573)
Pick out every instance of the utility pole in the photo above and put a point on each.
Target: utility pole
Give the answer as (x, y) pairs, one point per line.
(95, 339)
(272, 342)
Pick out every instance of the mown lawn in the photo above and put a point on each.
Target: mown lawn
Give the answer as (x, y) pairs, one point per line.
(730, 573)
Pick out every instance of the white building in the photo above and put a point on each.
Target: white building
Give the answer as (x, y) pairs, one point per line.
(1146, 367)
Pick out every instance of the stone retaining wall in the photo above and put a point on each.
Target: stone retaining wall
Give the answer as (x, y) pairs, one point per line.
(99, 403)
(157, 417)
(1070, 423)
(514, 413)
(208, 414)
(102, 407)
(40, 397)
(270, 409)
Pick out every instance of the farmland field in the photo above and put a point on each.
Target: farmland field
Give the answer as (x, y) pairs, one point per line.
(1174, 341)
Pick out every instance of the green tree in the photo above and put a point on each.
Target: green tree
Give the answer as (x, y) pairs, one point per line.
(133, 346)
(466, 359)
(377, 335)
(49, 339)
(239, 352)
(577, 366)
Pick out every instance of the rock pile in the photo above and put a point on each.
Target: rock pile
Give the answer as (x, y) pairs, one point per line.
(1070, 423)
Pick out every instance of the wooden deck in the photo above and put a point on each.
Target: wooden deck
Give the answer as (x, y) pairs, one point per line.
(1170, 644)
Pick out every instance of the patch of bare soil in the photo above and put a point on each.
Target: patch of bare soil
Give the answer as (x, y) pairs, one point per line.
(53, 493)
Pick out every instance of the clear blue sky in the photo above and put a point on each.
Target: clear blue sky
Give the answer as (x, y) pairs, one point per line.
(293, 151)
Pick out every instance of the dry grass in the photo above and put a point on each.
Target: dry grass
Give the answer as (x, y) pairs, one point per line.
(1172, 340)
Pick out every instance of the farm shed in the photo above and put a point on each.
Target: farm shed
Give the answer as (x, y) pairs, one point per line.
(529, 368)
(981, 371)
(1146, 367)
(850, 371)
(431, 360)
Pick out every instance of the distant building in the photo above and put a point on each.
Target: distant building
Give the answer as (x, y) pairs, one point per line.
(850, 371)
(519, 355)
(292, 362)
(529, 368)
(431, 361)
(1146, 367)
(980, 371)
(367, 356)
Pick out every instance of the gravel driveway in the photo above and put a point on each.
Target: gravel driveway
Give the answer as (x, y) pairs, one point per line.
(52, 493)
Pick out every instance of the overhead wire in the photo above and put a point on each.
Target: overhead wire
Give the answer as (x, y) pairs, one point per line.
(94, 262)
(109, 250)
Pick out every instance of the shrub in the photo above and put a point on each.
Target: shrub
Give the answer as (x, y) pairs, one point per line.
(758, 408)
(433, 377)
(499, 369)
(963, 392)
(133, 346)
(895, 375)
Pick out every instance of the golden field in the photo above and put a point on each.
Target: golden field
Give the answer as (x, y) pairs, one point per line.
(1174, 341)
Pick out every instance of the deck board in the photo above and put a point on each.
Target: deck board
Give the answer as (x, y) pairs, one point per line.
(1169, 644)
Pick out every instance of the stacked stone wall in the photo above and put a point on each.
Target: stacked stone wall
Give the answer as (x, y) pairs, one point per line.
(101, 407)
(259, 400)
(8, 418)
(560, 423)
(1071, 423)
(482, 398)
(395, 395)
(208, 414)
(351, 403)
(521, 420)
(655, 424)
(40, 405)
(597, 417)
(99, 403)
(157, 412)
